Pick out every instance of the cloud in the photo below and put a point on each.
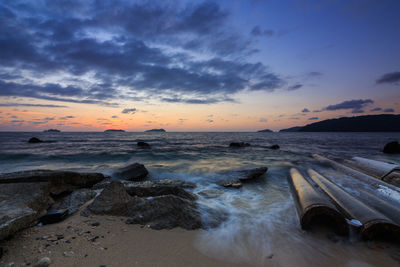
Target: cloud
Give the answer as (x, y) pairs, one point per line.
(114, 117)
(314, 74)
(100, 51)
(30, 105)
(392, 77)
(129, 111)
(67, 117)
(355, 105)
(376, 109)
(256, 31)
(313, 118)
(262, 120)
(388, 110)
(295, 87)
(357, 111)
(210, 121)
(305, 110)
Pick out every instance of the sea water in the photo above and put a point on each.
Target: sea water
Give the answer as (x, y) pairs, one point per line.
(262, 228)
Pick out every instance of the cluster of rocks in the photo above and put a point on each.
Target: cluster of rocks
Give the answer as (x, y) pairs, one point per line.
(236, 178)
(244, 144)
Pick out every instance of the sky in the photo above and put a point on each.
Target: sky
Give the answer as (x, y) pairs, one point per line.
(92, 65)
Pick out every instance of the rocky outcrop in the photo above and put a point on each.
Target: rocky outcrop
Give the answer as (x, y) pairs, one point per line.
(239, 144)
(158, 188)
(26, 196)
(143, 145)
(34, 140)
(236, 178)
(392, 148)
(163, 208)
(132, 172)
(21, 205)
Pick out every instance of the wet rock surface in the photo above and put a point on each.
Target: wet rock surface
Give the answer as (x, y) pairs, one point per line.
(164, 210)
(76, 199)
(34, 140)
(143, 145)
(132, 172)
(236, 178)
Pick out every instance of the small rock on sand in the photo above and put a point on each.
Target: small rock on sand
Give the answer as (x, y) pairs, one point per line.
(43, 262)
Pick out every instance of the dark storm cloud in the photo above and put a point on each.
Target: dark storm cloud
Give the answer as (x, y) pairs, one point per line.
(30, 105)
(129, 111)
(392, 77)
(257, 31)
(128, 48)
(388, 110)
(356, 105)
(305, 110)
(295, 87)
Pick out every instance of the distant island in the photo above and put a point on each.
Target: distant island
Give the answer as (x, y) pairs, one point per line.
(52, 131)
(155, 130)
(292, 129)
(265, 131)
(367, 123)
(114, 130)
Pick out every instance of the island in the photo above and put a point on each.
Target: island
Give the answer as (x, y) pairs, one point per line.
(51, 131)
(265, 131)
(155, 130)
(292, 129)
(114, 131)
(366, 123)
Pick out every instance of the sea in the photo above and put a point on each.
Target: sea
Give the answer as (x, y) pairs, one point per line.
(262, 228)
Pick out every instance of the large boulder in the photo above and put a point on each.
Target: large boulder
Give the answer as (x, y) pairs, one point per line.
(392, 148)
(132, 172)
(159, 209)
(235, 178)
(113, 200)
(159, 188)
(21, 204)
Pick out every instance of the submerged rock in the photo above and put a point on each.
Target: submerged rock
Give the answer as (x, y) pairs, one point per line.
(35, 140)
(143, 145)
(132, 172)
(237, 177)
(274, 147)
(392, 148)
(210, 193)
(239, 144)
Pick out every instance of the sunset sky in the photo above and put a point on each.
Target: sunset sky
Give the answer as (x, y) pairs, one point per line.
(195, 66)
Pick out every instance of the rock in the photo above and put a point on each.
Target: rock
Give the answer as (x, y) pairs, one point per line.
(211, 193)
(34, 140)
(57, 178)
(11, 264)
(158, 188)
(239, 144)
(143, 145)
(21, 205)
(43, 262)
(95, 224)
(160, 212)
(1, 252)
(274, 147)
(237, 177)
(76, 199)
(392, 148)
(113, 200)
(132, 172)
(54, 216)
(166, 212)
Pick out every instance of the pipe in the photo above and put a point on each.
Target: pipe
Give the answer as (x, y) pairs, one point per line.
(374, 224)
(312, 206)
(388, 191)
